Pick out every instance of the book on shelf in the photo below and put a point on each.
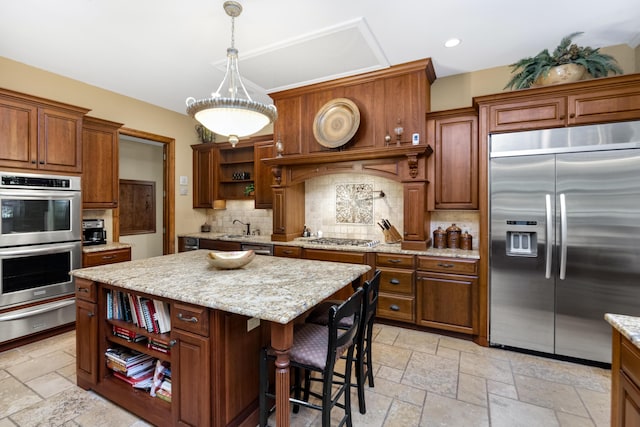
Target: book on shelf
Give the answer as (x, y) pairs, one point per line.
(124, 355)
(164, 395)
(138, 378)
(163, 315)
(158, 345)
(127, 334)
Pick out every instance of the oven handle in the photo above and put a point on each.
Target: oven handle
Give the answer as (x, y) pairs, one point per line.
(21, 314)
(38, 249)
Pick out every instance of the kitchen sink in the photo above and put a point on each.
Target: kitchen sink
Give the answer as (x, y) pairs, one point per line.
(236, 236)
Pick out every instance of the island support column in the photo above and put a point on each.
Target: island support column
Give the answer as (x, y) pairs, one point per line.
(281, 342)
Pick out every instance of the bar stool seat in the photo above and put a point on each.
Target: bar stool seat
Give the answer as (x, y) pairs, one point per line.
(363, 359)
(316, 348)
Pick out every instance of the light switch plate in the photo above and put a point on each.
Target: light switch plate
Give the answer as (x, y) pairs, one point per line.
(184, 190)
(184, 180)
(252, 323)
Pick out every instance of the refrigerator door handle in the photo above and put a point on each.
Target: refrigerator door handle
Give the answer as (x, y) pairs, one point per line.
(549, 251)
(563, 237)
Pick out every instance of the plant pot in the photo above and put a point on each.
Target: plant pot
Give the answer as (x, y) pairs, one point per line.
(565, 73)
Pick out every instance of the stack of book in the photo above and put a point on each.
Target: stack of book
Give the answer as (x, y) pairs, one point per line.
(164, 392)
(127, 334)
(159, 345)
(131, 366)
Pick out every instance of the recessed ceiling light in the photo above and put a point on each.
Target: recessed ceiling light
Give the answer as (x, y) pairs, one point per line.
(452, 42)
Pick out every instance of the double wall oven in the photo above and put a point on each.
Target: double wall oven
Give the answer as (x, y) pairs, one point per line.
(40, 243)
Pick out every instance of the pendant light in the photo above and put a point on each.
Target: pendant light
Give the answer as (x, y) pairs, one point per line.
(230, 111)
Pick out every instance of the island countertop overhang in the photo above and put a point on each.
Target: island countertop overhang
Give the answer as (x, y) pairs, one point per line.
(269, 288)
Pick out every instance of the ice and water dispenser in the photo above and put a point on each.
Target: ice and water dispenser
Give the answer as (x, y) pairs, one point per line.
(522, 240)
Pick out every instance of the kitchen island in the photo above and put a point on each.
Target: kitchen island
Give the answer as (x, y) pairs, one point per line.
(215, 330)
(625, 370)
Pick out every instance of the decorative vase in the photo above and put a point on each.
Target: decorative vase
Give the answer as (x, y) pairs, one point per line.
(565, 73)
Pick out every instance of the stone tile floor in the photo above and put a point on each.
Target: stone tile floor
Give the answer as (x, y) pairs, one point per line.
(421, 379)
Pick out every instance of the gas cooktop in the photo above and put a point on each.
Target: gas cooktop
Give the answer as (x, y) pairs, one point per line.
(344, 242)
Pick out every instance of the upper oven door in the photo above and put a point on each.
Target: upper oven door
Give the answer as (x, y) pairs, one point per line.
(32, 273)
(30, 216)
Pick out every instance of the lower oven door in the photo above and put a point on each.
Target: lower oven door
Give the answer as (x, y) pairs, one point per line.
(38, 272)
(37, 318)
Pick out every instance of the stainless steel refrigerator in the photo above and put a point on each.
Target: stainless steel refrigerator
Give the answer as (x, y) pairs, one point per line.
(564, 236)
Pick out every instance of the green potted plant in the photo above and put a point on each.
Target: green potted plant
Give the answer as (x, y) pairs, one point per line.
(569, 62)
(249, 189)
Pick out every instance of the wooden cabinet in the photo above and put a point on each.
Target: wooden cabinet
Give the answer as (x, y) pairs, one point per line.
(213, 357)
(288, 212)
(111, 256)
(447, 294)
(190, 354)
(234, 171)
(100, 162)
(263, 177)
(453, 167)
(40, 134)
(625, 382)
(397, 287)
(86, 333)
(415, 216)
(397, 96)
(219, 245)
(586, 102)
(203, 175)
(287, 251)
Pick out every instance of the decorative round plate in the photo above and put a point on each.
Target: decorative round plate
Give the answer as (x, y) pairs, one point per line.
(336, 122)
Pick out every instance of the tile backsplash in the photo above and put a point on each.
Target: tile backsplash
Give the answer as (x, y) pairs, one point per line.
(327, 210)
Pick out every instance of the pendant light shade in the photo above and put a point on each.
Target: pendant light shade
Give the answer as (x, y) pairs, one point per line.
(230, 111)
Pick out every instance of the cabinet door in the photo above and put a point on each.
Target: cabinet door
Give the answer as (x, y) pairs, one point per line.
(414, 211)
(86, 343)
(203, 175)
(288, 212)
(59, 140)
(289, 131)
(263, 177)
(528, 114)
(447, 301)
(604, 106)
(404, 105)
(456, 163)
(191, 375)
(18, 133)
(100, 164)
(628, 407)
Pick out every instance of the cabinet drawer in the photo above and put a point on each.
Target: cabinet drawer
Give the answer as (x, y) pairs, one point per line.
(191, 318)
(396, 307)
(287, 251)
(335, 256)
(630, 360)
(396, 281)
(90, 259)
(86, 290)
(394, 260)
(448, 265)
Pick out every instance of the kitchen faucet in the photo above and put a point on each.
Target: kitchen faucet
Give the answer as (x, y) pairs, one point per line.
(247, 224)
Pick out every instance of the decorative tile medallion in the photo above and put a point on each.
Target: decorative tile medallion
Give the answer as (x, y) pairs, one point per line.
(354, 204)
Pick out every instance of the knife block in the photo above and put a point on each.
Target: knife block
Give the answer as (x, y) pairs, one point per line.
(392, 235)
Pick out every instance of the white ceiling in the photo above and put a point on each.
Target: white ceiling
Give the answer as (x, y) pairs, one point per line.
(163, 51)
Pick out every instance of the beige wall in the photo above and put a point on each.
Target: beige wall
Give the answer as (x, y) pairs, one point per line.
(458, 91)
(112, 106)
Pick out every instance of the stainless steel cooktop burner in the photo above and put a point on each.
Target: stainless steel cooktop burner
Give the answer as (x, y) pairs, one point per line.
(344, 242)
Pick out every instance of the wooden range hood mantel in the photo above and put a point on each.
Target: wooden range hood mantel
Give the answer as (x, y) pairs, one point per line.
(411, 152)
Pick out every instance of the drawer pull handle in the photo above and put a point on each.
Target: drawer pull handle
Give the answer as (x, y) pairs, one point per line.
(394, 281)
(191, 319)
(287, 252)
(108, 256)
(90, 314)
(394, 307)
(83, 290)
(446, 265)
(394, 261)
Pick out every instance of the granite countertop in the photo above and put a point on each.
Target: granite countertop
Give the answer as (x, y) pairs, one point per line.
(109, 246)
(629, 326)
(305, 243)
(269, 288)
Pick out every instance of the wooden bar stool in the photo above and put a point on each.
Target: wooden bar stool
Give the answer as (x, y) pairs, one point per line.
(363, 359)
(317, 348)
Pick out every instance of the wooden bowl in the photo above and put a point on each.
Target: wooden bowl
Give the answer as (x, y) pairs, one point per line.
(230, 260)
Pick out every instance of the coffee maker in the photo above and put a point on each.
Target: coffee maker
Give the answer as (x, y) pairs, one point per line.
(93, 232)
